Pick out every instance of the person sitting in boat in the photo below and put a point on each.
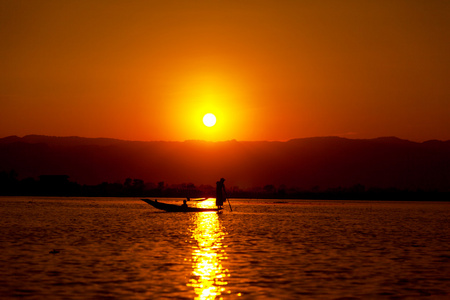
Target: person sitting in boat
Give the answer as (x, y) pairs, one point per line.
(184, 205)
(220, 193)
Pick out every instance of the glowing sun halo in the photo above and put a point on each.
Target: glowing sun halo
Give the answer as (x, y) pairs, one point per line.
(209, 120)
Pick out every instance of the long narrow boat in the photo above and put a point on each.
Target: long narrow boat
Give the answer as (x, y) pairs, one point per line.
(176, 208)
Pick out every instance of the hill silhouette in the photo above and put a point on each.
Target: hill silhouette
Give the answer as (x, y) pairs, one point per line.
(307, 163)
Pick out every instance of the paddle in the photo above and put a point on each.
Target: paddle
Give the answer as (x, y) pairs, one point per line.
(226, 196)
(229, 203)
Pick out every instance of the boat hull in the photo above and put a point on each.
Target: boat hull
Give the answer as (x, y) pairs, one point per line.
(176, 208)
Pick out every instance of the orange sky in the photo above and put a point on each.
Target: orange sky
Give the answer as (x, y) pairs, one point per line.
(268, 70)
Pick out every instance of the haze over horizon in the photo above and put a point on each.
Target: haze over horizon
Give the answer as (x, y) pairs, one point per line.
(39, 136)
(269, 71)
(326, 162)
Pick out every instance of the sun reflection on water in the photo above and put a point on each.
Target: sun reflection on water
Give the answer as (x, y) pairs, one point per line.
(208, 278)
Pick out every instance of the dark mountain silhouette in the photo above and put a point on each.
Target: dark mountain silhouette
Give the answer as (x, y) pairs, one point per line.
(323, 162)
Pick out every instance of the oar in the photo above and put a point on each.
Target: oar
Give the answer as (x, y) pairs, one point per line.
(229, 203)
(227, 199)
(226, 196)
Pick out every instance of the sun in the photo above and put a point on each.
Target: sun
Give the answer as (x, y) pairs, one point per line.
(209, 120)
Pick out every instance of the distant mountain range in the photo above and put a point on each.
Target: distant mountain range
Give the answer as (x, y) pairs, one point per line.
(308, 163)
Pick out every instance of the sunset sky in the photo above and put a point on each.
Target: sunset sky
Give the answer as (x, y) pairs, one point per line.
(268, 70)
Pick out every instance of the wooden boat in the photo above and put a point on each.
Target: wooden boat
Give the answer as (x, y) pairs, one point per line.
(176, 208)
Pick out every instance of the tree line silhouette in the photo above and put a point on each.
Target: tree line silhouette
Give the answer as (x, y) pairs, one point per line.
(60, 185)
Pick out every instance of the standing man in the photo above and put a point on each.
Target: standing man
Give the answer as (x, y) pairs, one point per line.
(220, 193)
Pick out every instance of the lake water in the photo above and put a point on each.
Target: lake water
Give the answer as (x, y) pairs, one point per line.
(122, 248)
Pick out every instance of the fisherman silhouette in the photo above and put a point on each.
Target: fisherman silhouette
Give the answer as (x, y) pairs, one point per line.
(184, 205)
(220, 193)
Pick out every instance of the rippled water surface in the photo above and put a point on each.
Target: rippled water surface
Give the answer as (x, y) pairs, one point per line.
(115, 248)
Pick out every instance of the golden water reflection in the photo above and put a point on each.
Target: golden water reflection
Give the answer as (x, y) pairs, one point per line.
(208, 278)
